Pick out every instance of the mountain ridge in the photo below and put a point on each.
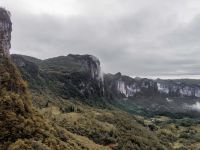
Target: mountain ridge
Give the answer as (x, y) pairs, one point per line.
(80, 77)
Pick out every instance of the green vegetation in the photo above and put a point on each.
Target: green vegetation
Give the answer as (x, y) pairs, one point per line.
(72, 124)
(65, 124)
(22, 127)
(120, 130)
(96, 122)
(109, 127)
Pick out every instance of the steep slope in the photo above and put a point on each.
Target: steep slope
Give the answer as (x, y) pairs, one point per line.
(5, 32)
(21, 125)
(72, 76)
(120, 86)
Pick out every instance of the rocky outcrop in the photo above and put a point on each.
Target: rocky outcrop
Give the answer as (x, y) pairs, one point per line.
(177, 88)
(90, 64)
(127, 87)
(5, 32)
(119, 86)
(72, 76)
(90, 77)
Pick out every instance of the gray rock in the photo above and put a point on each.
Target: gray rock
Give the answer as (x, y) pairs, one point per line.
(5, 33)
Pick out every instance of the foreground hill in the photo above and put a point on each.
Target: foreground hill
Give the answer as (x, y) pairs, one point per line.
(22, 127)
(63, 125)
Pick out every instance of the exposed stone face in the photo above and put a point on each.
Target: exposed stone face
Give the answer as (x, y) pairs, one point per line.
(73, 75)
(178, 89)
(90, 64)
(119, 86)
(5, 33)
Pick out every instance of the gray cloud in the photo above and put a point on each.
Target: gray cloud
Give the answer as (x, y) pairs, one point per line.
(134, 37)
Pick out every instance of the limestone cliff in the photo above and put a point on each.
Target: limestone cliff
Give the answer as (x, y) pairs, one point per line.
(71, 76)
(81, 76)
(5, 32)
(126, 87)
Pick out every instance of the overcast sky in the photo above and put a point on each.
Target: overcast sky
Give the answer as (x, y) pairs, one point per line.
(135, 37)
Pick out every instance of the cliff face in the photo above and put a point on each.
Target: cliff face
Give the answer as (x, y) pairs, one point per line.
(72, 76)
(5, 32)
(128, 87)
(81, 76)
(90, 68)
(168, 97)
(177, 88)
(88, 63)
(118, 86)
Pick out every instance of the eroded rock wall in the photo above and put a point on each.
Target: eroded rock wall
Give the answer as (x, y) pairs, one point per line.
(5, 32)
